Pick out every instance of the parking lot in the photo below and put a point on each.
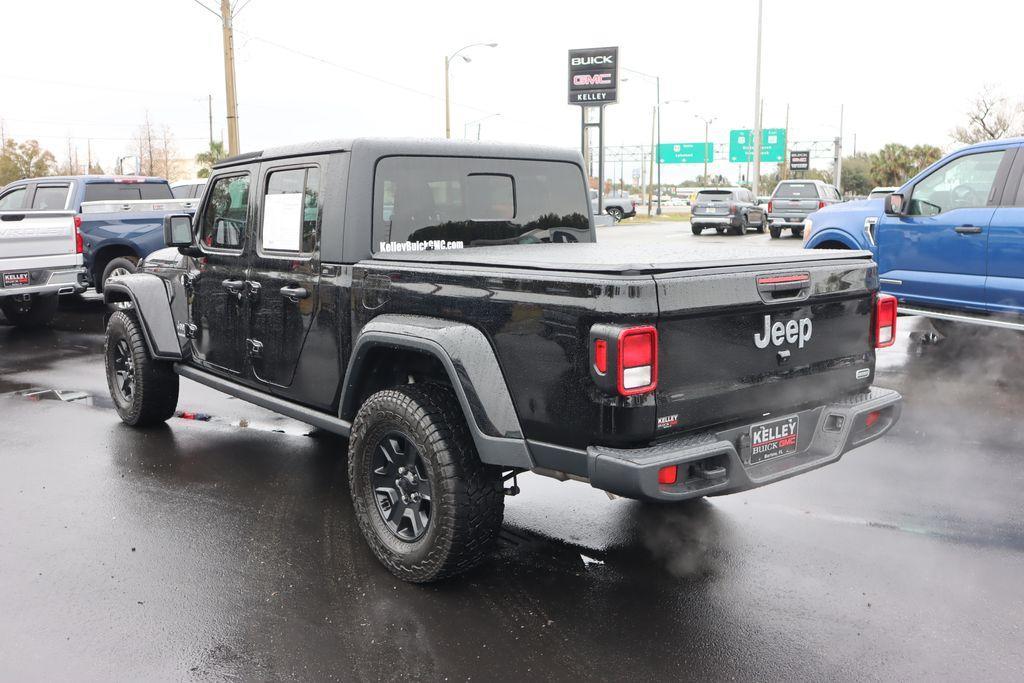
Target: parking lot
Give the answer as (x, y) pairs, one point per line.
(225, 546)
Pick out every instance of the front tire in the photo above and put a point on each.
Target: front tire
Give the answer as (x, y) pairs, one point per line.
(38, 311)
(144, 390)
(426, 504)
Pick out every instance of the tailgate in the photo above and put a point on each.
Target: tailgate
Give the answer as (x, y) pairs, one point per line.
(37, 234)
(794, 205)
(742, 345)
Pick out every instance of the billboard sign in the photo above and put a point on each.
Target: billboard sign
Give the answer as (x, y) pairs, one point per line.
(799, 161)
(593, 76)
(686, 153)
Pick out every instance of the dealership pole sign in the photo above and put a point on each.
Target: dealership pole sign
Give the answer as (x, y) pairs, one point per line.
(593, 76)
(799, 160)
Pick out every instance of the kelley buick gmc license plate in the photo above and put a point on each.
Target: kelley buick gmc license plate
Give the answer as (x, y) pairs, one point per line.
(15, 279)
(774, 439)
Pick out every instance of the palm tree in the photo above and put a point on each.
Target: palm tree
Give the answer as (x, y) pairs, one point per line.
(892, 164)
(209, 158)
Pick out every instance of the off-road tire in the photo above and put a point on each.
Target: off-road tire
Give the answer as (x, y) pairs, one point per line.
(696, 229)
(467, 501)
(37, 313)
(775, 232)
(154, 394)
(616, 213)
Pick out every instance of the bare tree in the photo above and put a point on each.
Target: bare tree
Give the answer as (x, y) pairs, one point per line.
(991, 117)
(154, 146)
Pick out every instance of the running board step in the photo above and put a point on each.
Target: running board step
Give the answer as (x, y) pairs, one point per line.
(967, 318)
(278, 405)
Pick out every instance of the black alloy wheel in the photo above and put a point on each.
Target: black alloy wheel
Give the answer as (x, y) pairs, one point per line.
(124, 371)
(401, 486)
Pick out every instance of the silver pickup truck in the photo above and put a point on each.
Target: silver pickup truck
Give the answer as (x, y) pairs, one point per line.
(40, 254)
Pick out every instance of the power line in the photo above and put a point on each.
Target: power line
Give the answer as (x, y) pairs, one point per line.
(236, 12)
(216, 14)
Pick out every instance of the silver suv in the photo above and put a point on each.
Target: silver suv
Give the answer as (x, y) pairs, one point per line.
(794, 200)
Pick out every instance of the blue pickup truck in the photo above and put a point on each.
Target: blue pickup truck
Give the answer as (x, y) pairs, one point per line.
(119, 218)
(950, 242)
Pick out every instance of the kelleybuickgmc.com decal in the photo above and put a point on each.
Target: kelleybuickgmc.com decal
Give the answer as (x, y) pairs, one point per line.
(427, 245)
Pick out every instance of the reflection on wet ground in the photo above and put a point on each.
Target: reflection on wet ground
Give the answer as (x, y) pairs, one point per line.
(206, 550)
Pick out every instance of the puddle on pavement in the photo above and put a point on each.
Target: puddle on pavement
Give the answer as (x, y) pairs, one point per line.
(105, 402)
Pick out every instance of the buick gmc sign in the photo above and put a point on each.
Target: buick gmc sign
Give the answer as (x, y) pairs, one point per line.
(593, 76)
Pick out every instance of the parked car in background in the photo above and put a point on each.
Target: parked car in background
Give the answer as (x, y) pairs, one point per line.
(950, 242)
(793, 200)
(726, 208)
(119, 218)
(188, 189)
(616, 207)
(880, 192)
(40, 251)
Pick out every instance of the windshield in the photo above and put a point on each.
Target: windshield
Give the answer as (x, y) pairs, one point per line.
(796, 191)
(423, 203)
(98, 192)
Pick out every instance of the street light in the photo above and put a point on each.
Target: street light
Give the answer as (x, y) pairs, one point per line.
(467, 124)
(447, 98)
(707, 124)
(657, 111)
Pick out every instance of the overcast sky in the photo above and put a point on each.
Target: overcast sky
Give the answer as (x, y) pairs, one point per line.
(905, 71)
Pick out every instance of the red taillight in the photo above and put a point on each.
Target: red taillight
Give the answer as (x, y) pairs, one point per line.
(668, 475)
(638, 360)
(78, 234)
(885, 321)
(769, 207)
(129, 179)
(821, 205)
(872, 418)
(732, 209)
(601, 356)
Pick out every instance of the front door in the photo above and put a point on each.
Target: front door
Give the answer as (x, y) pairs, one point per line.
(285, 267)
(219, 297)
(936, 254)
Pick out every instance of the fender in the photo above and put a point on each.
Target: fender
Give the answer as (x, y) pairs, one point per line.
(472, 368)
(149, 297)
(832, 234)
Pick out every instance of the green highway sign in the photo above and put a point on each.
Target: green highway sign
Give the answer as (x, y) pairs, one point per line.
(741, 145)
(686, 152)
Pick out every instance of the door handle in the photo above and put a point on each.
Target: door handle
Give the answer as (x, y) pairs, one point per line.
(968, 230)
(294, 293)
(233, 286)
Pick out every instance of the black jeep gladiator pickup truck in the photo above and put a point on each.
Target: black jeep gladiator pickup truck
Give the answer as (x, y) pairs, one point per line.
(447, 307)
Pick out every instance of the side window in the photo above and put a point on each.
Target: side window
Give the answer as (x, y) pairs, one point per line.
(226, 213)
(963, 183)
(50, 198)
(181, 191)
(13, 199)
(291, 210)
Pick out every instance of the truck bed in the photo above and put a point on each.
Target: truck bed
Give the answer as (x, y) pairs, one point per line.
(616, 259)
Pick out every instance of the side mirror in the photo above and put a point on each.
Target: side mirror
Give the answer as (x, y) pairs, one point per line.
(894, 204)
(178, 230)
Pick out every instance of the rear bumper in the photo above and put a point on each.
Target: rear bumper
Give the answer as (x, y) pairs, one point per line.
(48, 281)
(714, 220)
(788, 220)
(716, 462)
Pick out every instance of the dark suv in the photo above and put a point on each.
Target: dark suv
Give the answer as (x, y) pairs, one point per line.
(729, 208)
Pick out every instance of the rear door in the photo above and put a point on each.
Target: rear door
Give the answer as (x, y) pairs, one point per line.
(936, 255)
(36, 233)
(1004, 284)
(218, 306)
(285, 267)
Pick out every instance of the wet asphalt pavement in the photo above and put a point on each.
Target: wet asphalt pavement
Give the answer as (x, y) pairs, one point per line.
(227, 549)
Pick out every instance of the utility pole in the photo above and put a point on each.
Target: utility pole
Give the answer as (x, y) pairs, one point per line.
(651, 176)
(838, 174)
(657, 89)
(209, 103)
(88, 156)
(447, 101)
(784, 166)
(757, 103)
(229, 77)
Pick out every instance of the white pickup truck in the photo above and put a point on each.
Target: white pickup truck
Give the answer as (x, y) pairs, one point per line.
(40, 256)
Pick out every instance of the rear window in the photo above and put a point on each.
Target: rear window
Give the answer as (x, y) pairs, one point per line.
(423, 203)
(101, 192)
(796, 191)
(714, 196)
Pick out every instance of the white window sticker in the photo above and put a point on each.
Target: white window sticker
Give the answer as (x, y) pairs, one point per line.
(282, 222)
